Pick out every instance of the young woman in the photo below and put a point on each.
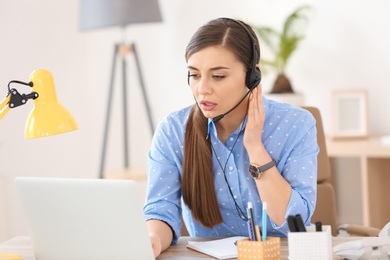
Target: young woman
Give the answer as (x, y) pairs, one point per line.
(231, 147)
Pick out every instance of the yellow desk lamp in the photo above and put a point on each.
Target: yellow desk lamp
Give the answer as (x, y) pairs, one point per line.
(48, 117)
(10, 256)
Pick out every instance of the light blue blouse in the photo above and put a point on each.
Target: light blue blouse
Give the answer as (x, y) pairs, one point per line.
(290, 137)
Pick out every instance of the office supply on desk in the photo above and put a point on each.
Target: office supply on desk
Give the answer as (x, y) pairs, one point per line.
(257, 231)
(261, 250)
(221, 248)
(292, 225)
(83, 219)
(367, 248)
(251, 230)
(180, 257)
(264, 222)
(300, 224)
(310, 245)
(251, 222)
(295, 223)
(318, 226)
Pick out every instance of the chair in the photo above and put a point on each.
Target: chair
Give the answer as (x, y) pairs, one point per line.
(326, 209)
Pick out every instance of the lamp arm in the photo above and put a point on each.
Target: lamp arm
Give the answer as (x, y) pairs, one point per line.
(14, 98)
(18, 99)
(4, 108)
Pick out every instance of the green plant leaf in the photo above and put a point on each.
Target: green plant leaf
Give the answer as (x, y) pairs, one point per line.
(295, 22)
(269, 37)
(283, 44)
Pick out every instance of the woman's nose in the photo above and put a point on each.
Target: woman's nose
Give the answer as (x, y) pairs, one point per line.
(204, 86)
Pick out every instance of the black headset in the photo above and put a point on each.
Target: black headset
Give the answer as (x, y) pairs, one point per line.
(253, 75)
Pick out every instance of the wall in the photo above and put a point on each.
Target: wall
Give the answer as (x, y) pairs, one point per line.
(3, 215)
(345, 47)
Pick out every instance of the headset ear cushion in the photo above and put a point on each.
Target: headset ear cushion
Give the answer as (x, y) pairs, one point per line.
(253, 78)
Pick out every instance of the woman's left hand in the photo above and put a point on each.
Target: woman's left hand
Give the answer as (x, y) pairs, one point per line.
(255, 124)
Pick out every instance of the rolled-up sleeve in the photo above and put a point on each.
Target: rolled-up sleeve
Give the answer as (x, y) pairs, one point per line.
(299, 168)
(164, 177)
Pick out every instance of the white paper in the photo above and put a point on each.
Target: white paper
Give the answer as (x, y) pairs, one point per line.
(221, 248)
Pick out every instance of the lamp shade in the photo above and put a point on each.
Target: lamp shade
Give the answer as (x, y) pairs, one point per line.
(104, 13)
(48, 116)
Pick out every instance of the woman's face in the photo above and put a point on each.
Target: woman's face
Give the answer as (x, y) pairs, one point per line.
(217, 81)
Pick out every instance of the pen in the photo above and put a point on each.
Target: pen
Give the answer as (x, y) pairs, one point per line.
(300, 224)
(318, 226)
(257, 231)
(295, 224)
(292, 223)
(250, 230)
(264, 222)
(251, 222)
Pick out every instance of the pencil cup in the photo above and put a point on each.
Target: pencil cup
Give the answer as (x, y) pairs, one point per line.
(311, 244)
(269, 249)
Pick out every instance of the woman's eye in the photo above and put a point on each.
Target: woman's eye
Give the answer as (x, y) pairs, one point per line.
(193, 75)
(218, 76)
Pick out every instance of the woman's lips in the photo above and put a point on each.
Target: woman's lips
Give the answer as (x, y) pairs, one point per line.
(207, 106)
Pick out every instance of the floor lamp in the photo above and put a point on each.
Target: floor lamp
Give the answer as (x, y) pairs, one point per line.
(104, 13)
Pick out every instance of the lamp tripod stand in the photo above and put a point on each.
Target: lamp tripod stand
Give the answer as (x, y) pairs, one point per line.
(122, 50)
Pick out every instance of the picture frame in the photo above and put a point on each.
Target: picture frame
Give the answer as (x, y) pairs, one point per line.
(349, 113)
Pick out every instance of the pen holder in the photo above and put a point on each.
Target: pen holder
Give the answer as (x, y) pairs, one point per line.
(311, 244)
(269, 249)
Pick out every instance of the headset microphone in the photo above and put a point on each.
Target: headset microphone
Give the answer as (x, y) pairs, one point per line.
(217, 118)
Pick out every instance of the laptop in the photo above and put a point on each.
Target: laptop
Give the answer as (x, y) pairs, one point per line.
(84, 218)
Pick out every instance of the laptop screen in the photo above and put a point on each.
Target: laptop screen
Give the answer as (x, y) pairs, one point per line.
(85, 218)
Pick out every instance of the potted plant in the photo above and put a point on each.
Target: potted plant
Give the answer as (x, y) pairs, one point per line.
(281, 46)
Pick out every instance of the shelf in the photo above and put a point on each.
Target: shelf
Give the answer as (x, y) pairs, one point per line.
(374, 173)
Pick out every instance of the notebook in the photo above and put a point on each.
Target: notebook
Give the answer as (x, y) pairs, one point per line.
(84, 218)
(224, 248)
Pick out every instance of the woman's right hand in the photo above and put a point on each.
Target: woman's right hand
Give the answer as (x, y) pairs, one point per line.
(160, 235)
(156, 243)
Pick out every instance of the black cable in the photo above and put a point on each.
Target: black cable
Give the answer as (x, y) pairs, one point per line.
(223, 168)
(239, 210)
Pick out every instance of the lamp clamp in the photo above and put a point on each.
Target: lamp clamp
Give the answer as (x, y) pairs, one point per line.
(18, 99)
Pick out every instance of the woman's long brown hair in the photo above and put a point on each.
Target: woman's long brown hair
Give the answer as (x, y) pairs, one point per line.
(198, 179)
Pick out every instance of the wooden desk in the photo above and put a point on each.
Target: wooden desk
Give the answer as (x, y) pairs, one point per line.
(22, 246)
(180, 251)
(375, 175)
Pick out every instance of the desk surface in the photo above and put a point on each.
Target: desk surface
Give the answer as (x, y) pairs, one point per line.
(180, 251)
(22, 246)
